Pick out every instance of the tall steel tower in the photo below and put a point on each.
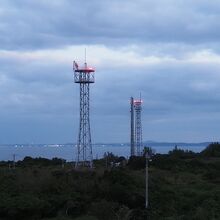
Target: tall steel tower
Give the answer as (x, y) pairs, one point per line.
(132, 127)
(84, 76)
(138, 126)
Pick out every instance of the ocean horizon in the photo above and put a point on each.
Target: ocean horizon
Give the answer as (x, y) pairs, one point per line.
(68, 151)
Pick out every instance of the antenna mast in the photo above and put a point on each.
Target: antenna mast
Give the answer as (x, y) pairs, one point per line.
(85, 55)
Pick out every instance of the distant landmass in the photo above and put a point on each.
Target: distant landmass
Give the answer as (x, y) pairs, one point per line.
(145, 143)
(67, 150)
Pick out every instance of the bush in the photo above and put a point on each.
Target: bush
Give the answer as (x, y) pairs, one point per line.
(213, 150)
(137, 163)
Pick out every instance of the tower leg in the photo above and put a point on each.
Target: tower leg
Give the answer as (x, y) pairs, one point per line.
(138, 132)
(84, 144)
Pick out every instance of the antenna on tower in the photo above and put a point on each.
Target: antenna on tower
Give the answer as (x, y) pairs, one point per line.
(85, 58)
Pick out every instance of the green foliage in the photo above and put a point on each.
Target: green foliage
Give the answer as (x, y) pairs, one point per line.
(181, 154)
(213, 150)
(86, 218)
(109, 160)
(182, 185)
(103, 210)
(148, 151)
(137, 163)
(29, 161)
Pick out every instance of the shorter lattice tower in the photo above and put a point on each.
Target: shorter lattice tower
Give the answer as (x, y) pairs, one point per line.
(138, 126)
(84, 76)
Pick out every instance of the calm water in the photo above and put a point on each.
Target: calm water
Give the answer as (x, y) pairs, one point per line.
(68, 152)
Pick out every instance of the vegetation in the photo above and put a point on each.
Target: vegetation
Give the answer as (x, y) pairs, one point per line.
(213, 150)
(182, 185)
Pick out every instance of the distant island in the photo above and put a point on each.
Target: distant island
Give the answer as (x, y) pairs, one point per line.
(145, 143)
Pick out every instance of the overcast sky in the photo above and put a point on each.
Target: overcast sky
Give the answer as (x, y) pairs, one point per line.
(169, 50)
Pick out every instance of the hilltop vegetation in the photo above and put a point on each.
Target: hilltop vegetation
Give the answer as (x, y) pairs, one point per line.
(182, 185)
(213, 150)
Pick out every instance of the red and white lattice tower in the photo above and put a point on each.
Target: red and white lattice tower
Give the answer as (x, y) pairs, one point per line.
(136, 127)
(84, 76)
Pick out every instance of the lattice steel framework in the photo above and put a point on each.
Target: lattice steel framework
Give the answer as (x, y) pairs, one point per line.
(138, 126)
(84, 76)
(132, 127)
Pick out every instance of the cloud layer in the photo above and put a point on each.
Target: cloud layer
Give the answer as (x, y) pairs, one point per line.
(167, 50)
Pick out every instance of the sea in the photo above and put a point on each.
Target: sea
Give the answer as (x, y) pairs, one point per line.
(68, 151)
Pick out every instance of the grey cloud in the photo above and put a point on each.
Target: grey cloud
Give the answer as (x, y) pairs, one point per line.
(39, 102)
(37, 97)
(43, 24)
(30, 89)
